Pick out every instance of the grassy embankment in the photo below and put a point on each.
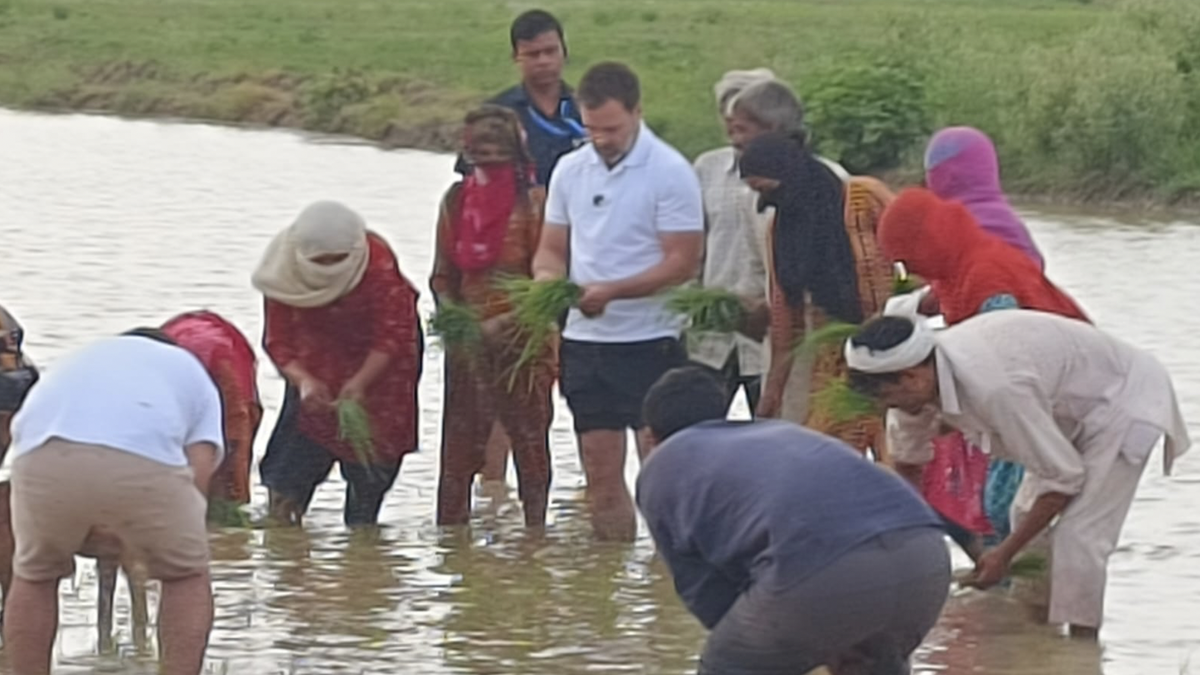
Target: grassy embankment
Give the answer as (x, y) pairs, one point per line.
(1087, 100)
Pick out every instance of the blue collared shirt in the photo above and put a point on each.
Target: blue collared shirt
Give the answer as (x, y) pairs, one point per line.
(548, 138)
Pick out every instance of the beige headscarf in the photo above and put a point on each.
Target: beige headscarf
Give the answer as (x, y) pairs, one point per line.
(287, 272)
(736, 80)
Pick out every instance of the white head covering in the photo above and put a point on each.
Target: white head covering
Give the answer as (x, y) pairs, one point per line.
(911, 352)
(736, 80)
(287, 272)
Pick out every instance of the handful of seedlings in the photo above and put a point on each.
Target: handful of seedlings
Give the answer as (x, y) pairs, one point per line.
(1030, 565)
(537, 306)
(708, 310)
(902, 283)
(227, 514)
(832, 333)
(457, 325)
(354, 427)
(842, 403)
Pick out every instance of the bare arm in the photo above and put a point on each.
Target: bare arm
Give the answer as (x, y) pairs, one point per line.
(994, 565)
(680, 263)
(550, 261)
(681, 259)
(203, 458)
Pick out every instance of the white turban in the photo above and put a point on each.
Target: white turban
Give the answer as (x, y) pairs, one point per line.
(288, 273)
(911, 352)
(736, 80)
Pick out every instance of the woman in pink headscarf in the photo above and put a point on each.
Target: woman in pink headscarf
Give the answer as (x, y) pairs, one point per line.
(961, 165)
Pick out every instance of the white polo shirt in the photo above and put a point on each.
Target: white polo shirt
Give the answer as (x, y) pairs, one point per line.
(128, 393)
(615, 217)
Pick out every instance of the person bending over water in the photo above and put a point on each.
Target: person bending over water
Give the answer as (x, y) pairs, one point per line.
(1080, 410)
(805, 556)
(121, 437)
(229, 358)
(341, 325)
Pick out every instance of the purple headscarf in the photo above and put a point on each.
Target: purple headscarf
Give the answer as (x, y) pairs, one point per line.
(961, 165)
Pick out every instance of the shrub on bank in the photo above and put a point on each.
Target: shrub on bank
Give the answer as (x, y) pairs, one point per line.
(868, 118)
(1114, 109)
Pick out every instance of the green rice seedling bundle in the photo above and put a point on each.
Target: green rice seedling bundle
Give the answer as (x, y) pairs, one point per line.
(902, 282)
(354, 427)
(226, 513)
(843, 403)
(457, 325)
(707, 310)
(832, 333)
(1030, 565)
(537, 306)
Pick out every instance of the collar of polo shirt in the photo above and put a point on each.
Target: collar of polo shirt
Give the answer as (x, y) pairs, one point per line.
(638, 155)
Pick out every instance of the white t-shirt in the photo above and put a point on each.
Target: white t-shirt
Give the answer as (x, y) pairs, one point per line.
(129, 393)
(616, 217)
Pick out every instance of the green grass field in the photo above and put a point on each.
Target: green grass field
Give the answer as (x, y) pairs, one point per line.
(403, 71)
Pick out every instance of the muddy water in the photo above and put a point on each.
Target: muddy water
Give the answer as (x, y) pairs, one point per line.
(107, 224)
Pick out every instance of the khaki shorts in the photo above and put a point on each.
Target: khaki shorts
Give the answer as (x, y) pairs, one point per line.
(63, 491)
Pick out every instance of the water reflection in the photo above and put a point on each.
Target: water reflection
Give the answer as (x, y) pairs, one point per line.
(111, 223)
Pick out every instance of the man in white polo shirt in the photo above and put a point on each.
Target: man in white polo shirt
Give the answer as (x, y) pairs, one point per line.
(119, 438)
(625, 220)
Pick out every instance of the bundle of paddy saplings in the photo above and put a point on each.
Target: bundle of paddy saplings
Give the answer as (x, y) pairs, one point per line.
(837, 398)
(842, 402)
(354, 427)
(1029, 566)
(707, 310)
(457, 325)
(902, 282)
(227, 513)
(537, 306)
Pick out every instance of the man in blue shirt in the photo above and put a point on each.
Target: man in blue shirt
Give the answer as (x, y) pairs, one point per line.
(542, 100)
(788, 546)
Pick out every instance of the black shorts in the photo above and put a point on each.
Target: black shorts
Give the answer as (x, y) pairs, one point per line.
(606, 382)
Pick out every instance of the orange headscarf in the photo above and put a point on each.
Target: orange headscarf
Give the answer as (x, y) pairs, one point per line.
(941, 242)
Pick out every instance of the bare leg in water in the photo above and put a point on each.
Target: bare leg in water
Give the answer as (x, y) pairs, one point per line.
(184, 623)
(30, 626)
(603, 453)
(493, 478)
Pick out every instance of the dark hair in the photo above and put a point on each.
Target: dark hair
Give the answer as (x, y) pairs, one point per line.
(683, 397)
(880, 334)
(155, 334)
(609, 81)
(529, 25)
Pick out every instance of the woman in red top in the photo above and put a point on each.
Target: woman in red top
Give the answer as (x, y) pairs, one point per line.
(341, 324)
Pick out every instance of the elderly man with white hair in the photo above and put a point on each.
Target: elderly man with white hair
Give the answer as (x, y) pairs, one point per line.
(735, 236)
(1081, 410)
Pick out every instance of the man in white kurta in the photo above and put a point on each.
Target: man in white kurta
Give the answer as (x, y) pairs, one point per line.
(1081, 410)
